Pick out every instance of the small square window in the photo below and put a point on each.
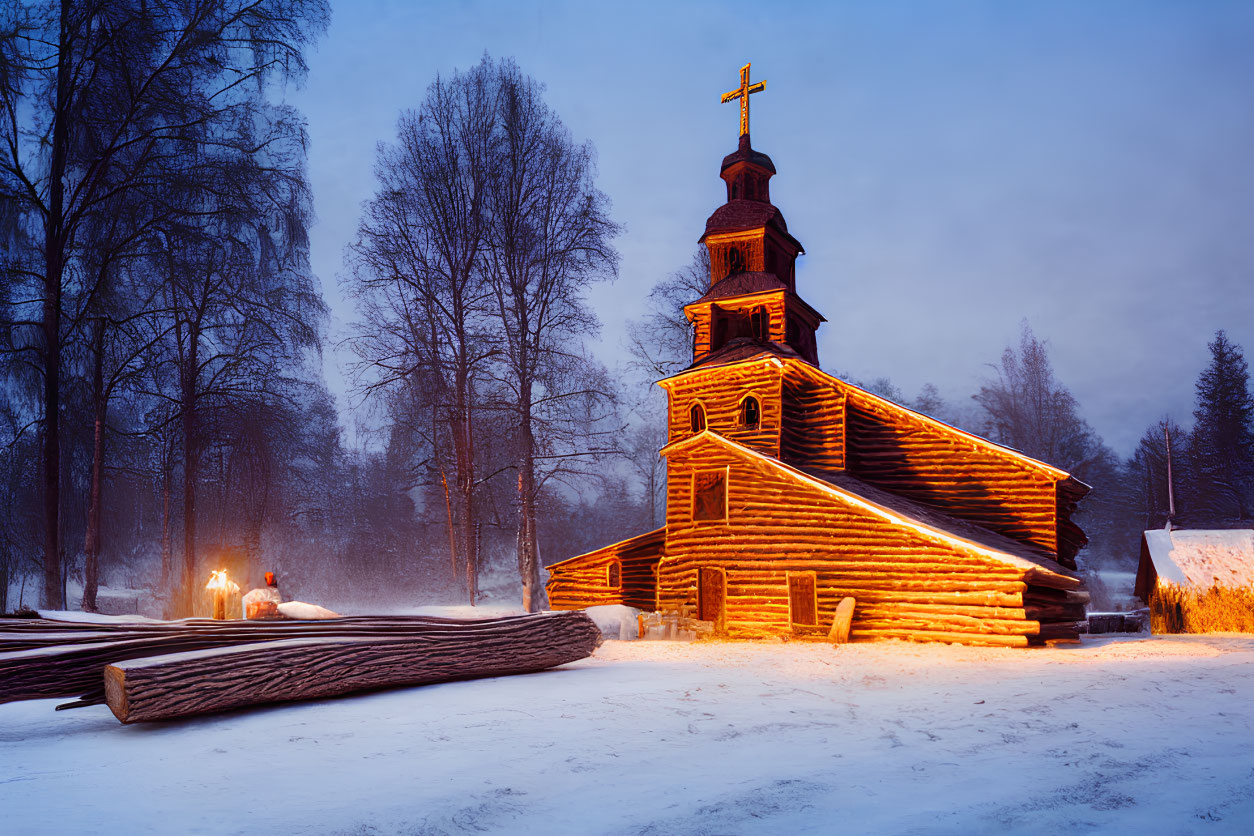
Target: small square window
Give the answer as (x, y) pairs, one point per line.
(709, 495)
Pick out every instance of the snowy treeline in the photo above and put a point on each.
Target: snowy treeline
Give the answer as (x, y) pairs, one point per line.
(163, 409)
(469, 270)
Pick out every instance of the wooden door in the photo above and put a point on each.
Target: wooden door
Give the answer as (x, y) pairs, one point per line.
(711, 591)
(802, 601)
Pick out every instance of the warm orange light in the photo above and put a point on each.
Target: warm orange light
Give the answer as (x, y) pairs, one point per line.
(220, 587)
(218, 581)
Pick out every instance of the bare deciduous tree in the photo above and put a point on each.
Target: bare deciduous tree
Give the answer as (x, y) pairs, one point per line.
(660, 343)
(549, 238)
(416, 273)
(1027, 409)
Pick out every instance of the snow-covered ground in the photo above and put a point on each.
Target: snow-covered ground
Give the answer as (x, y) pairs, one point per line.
(1118, 735)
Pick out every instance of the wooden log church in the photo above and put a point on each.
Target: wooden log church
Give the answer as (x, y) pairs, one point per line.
(789, 489)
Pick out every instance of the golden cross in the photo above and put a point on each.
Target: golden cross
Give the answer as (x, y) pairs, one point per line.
(742, 92)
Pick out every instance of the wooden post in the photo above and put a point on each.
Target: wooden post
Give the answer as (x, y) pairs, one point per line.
(1171, 493)
(842, 622)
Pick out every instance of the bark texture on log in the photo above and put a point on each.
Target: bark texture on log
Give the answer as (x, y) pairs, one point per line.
(41, 658)
(183, 684)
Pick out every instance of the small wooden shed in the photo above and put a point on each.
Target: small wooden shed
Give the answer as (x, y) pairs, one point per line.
(1195, 558)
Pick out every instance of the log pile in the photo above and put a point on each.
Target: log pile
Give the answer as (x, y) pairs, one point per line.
(267, 661)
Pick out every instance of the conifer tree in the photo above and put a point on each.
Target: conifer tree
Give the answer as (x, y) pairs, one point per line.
(1222, 444)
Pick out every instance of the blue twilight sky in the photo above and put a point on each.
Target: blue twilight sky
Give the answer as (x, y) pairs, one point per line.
(950, 167)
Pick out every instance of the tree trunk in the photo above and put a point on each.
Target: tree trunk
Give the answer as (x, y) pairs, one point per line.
(4, 575)
(463, 441)
(528, 558)
(191, 461)
(167, 557)
(528, 552)
(91, 545)
(452, 533)
(54, 255)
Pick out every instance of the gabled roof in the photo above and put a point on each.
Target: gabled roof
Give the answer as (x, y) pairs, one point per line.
(1202, 558)
(924, 520)
(737, 351)
(745, 348)
(1076, 485)
(643, 542)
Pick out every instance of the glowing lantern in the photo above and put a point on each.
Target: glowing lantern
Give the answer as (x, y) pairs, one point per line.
(221, 587)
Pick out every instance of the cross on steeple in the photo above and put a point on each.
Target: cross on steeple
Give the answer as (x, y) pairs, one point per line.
(742, 92)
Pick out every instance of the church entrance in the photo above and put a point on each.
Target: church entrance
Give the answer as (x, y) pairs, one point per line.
(711, 593)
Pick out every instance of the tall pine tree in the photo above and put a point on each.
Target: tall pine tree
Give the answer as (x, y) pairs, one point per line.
(1222, 444)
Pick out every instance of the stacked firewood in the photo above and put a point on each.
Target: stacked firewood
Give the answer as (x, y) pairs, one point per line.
(158, 670)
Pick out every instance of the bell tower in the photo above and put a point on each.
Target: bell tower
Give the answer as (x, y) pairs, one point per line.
(752, 293)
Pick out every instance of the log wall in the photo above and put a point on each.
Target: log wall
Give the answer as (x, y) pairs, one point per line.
(907, 455)
(773, 302)
(583, 581)
(720, 392)
(813, 432)
(906, 585)
(1071, 538)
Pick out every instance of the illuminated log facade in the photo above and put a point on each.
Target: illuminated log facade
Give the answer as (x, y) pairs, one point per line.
(623, 573)
(789, 490)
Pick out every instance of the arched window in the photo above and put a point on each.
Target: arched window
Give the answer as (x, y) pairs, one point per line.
(735, 260)
(760, 323)
(697, 415)
(750, 412)
(615, 574)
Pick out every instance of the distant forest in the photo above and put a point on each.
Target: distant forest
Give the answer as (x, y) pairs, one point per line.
(163, 408)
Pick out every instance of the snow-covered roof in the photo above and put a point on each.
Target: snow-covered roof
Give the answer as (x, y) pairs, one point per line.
(1203, 558)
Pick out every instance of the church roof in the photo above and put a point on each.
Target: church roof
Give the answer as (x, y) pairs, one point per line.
(938, 519)
(741, 214)
(1074, 486)
(741, 284)
(744, 348)
(925, 519)
(745, 153)
(647, 545)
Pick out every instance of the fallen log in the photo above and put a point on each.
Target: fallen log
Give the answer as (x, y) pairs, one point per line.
(73, 665)
(220, 679)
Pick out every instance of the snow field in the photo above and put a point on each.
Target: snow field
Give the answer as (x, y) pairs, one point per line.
(1116, 735)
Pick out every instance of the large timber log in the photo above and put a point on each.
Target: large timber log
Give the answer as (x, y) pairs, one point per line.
(67, 659)
(220, 679)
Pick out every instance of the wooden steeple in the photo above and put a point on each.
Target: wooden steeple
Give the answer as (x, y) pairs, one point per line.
(753, 293)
